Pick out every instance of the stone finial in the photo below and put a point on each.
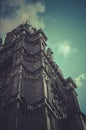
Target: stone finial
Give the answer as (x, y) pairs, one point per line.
(50, 54)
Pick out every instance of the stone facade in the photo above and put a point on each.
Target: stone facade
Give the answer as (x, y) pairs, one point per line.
(34, 95)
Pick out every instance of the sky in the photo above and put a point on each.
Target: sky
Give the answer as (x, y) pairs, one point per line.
(64, 23)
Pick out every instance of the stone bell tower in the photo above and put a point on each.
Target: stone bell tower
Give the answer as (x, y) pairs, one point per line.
(33, 92)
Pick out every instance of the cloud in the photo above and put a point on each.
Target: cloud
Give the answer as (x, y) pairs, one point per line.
(22, 11)
(64, 48)
(80, 80)
(8, 8)
(50, 19)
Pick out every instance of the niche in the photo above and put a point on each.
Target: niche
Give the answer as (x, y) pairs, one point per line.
(5, 67)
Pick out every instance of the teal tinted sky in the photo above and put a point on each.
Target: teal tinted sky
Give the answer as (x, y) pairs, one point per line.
(66, 31)
(64, 22)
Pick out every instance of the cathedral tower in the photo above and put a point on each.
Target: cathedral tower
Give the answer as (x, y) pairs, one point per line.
(33, 92)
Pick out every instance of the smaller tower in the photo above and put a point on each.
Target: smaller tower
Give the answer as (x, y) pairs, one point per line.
(73, 119)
